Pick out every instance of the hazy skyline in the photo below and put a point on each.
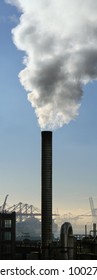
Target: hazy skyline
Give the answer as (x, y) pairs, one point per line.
(74, 145)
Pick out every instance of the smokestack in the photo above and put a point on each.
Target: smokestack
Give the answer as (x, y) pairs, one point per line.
(46, 196)
(94, 229)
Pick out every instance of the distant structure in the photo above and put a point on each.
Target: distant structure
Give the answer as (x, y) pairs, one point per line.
(3, 207)
(24, 211)
(93, 210)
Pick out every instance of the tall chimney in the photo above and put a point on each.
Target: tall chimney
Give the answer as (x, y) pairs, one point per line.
(46, 195)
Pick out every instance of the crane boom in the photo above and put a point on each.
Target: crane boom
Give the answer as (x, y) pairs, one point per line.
(92, 206)
(4, 204)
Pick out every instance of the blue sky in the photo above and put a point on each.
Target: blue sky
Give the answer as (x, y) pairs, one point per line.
(74, 145)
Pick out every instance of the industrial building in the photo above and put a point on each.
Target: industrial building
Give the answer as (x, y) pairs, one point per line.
(67, 247)
(7, 235)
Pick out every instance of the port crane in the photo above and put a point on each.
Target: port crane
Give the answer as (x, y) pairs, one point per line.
(93, 209)
(3, 207)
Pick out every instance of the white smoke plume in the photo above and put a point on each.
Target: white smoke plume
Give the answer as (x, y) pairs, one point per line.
(59, 39)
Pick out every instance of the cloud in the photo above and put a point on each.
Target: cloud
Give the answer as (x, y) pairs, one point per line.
(13, 2)
(60, 44)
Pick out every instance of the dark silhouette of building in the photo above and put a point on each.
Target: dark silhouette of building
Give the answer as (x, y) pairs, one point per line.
(7, 235)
